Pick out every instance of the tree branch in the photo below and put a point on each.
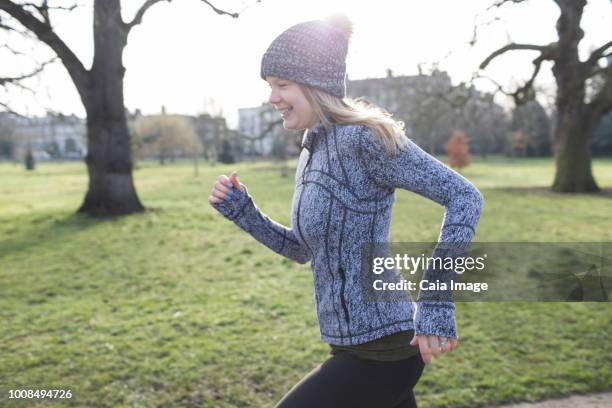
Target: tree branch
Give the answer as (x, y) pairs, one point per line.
(149, 3)
(46, 6)
(499, 87)
(602, 102)
(8, 109)
(546, 50)
(474, 38)
(597, 55)
(7, 80)
(11, 50)
(264, 132)
(499, 3)
(525, 92)
(7, 27)
(140, 13)
(43, 10)
(24, 33)
(598, 71)
(453, 96)
(43, 31)
(221, 12)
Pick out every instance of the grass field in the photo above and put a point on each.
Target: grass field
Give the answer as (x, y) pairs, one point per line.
(178, 307)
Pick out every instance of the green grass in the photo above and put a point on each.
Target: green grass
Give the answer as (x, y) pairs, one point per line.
(178, 307)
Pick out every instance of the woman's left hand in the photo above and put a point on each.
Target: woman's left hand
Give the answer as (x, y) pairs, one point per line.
(431, 346)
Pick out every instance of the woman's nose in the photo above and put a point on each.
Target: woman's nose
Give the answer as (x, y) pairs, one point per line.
(274, 98)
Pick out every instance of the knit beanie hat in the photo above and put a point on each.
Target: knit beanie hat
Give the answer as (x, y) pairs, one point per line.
(312, 53)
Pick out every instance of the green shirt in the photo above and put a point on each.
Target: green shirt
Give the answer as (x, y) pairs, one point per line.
(389, 348)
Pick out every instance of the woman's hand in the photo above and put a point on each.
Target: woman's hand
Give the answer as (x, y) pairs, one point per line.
(430, 346)
(222, 189)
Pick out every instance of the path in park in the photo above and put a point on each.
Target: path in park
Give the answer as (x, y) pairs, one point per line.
(600, 400)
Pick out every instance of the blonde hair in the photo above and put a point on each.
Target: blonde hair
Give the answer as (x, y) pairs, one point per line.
(329, 109)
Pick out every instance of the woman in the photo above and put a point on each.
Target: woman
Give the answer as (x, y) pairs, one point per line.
(354, 156)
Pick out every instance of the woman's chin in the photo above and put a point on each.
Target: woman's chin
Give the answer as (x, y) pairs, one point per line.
(290, 125)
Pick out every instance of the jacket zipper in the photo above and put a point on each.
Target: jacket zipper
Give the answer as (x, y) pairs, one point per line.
(342, 297)
(310, 153)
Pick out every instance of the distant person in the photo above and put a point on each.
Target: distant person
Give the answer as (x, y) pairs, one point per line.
(354, 156)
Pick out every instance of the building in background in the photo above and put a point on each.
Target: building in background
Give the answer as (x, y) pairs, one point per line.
(262, 131)
(213, 133)
(251, 124)
(54, 136)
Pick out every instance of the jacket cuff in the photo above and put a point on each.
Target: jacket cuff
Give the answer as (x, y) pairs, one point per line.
(235, 207)
(435, 318)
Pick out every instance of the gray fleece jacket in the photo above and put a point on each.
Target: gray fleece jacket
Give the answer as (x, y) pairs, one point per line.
(344, 192)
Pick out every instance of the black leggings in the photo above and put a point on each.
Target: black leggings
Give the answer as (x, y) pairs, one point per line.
(348, 381)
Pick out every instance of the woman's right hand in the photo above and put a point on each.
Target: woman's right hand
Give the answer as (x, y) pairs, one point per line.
(223, 188)
(433, 346)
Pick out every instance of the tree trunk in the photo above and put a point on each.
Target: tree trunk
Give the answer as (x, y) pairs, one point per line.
(432, 144)
(573, 130)
(111, 187)
(573, 173)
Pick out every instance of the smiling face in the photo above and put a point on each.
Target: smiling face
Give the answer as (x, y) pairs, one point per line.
(289, 100)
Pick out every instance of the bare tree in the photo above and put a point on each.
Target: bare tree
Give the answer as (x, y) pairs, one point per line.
(577, 113)
(111, 188)
(165, 136)
(483, 120)
(531, 120)
(430, 120)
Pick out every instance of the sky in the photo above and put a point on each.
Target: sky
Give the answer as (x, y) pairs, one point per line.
(191, 60)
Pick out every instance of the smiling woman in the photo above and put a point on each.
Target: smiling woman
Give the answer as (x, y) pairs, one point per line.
(353, 158)
(288, 99)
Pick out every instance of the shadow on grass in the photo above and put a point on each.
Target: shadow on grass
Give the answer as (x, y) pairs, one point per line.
(604, 193)
(28, 232)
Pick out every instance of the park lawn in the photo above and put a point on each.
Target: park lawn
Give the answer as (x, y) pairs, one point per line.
(178, 307)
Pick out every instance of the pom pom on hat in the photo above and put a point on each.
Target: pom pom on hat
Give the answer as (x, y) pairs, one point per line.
(342, 23)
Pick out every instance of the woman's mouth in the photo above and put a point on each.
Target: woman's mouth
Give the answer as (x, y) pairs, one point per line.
(285, 112)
